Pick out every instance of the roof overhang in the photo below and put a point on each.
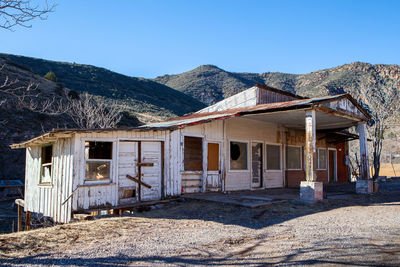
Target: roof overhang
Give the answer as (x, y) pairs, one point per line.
(332, 112)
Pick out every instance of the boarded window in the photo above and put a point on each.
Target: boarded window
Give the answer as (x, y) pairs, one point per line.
(273, 157)
(193, 154)
(293, 158)
(321, 159)
(98, 157)
(238, 156)
(213, 157)
(47, 154)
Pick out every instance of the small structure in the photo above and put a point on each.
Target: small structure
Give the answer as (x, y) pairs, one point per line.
(258, 139)
(11, 189)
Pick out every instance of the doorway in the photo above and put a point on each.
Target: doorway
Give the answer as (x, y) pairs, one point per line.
(213, 181)
(139, 171)
(332, 166)
(256, 164)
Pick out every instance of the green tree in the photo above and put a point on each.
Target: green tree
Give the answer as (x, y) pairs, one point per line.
(51, 76)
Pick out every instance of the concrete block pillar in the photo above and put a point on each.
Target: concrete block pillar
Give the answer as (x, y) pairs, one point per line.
(311, 190)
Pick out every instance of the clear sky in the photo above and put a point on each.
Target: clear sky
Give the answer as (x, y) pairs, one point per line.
(148, 38)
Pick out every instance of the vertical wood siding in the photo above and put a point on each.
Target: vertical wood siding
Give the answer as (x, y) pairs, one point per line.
(48, 199)
(92, 195)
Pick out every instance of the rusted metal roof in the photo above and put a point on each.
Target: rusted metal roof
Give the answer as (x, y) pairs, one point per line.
(204, 117)
(197, 118)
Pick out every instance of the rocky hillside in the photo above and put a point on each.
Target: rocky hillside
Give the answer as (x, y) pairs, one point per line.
(146, 99)
(210, 84)
(143, 100)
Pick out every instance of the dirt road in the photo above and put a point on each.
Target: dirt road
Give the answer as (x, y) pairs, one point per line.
(360, 231)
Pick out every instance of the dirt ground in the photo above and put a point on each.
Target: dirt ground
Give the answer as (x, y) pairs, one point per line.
(358, 230)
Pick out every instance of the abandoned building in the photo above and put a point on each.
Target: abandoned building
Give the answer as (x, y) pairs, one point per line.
(261, 138)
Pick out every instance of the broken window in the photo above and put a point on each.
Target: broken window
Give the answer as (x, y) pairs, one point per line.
(293, 157)
(213, 157)
(46, 157)
(193, 154)
(273, 157)
(238, 155)
(98, 156)
(321, 158)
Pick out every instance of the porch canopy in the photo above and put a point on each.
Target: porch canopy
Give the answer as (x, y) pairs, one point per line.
(332, 114)
(336, 112)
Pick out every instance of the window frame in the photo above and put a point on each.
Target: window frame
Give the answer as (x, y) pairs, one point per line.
(280, 157)
(50, 183)
(113, 156)
(247, 142)
(326, 159)
(183, 154)
(301, 158)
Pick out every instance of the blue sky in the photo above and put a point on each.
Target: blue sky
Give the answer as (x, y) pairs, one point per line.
(148, 38)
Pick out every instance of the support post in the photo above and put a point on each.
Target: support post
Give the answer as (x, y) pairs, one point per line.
(362, 133)
(363, 184)
(19, 223)
(28, 221)
(311, 190)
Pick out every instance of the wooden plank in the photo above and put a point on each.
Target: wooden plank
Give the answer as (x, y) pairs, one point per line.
(310, 160)
(138, 181)
(19, 225)
(28, 221)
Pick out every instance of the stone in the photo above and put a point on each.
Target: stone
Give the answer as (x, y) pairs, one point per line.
(311, 191)
(364, 186)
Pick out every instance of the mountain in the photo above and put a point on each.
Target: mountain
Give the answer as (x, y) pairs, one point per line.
(148, 100)
(143, 101)
(210, 84)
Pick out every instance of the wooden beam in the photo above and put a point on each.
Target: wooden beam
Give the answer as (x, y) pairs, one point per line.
(337, 113)
(311, 136)
(138, 181)
(362, 133)
(28, 221)
(19, 223)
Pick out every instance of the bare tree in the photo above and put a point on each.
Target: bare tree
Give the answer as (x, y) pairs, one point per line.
(382, 107)
(89, 112)
(13, 89)
(21, 12)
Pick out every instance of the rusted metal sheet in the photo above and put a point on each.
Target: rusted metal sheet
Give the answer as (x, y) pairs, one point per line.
(204, 117)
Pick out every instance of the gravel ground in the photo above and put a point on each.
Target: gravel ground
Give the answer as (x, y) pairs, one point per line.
(361, 231)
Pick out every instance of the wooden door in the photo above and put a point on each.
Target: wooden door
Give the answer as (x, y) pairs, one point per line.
(332, 165)
(213, 177)
(150, 169)
(256, 164)
(127, 165)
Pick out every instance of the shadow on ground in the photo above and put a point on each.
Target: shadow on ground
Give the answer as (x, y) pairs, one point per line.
(349, 256)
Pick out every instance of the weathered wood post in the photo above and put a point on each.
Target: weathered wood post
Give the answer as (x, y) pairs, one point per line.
(311, 190)
(19, 222)
(363, 184)
(28, 221)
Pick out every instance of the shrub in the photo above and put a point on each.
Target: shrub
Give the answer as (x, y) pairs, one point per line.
(51, 76)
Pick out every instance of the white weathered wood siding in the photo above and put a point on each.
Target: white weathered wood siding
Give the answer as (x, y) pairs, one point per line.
(247, 98)
(195, 181)
(247, 131)
(346, 106)
(93, 194)
(50, 200)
